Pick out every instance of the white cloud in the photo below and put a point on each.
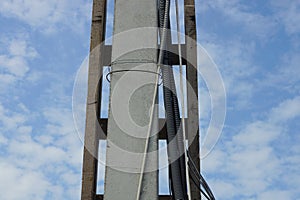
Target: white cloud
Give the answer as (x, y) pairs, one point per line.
(48, 16)
(10, 120)
(214, 161)
(251, 165)
(289, 109)
(240, 13)
(60, 121)
(3, 140)
(275, 194)
(41, 154)
(14, 63)
(259, 129)
(38, 170)
(62, 134)
(21, 48)
(285, 76)
(288, 12)
(18, 184)
(6, 79)
(223, 189)
(29, 150)
(41, 161)
(234, 59)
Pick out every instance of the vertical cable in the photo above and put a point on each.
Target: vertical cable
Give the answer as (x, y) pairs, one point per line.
(182, 101)
(160, 58)
(171, 105)
(147, 137)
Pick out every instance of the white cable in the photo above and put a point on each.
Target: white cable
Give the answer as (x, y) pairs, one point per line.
(160, 57)
(147, 137)
(182, 102)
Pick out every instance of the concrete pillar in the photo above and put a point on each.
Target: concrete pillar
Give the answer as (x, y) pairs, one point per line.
(92, 129)
(192, 78)
(131, 99)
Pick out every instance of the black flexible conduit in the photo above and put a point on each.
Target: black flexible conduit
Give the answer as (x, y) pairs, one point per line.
(175, 145)
(175, 148)
(199, 181)
(179, 131)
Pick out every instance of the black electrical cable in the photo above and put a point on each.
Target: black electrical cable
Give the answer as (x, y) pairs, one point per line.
(174, 129)
(176, 173)
(173, 154)
(170, 182)
(198, 186)
(203, 183)
(200, 178)
(179, 131)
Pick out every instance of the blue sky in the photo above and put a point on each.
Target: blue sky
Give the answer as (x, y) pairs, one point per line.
(256, 46)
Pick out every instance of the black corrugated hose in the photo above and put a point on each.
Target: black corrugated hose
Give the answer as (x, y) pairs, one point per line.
(177, 172)
(175, 144)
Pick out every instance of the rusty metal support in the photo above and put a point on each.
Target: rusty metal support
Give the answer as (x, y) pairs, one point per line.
(192, 78)
(91, 139)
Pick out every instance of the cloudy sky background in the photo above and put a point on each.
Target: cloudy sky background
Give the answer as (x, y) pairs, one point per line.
(256, 46)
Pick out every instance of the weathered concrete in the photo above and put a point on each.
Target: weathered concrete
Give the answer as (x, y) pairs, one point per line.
(161, 197)
(162, 127)
(193, 107)
(91, 139)
(131, 99)
(173, 57)
(121, 184)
